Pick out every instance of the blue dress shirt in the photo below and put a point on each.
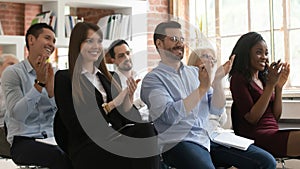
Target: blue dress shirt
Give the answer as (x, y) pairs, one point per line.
(29, 112)
(163, 90)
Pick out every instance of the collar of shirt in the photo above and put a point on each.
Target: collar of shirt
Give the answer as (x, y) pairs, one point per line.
(122, 77)
(29, 67)
(92, 77)
(133, 73)
(85, 72)
(167, 68)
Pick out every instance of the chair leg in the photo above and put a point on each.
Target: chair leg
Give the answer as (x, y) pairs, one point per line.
(282, 163)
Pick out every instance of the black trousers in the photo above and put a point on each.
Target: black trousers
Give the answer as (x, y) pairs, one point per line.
(144, 130)
(27, 151)
(92, 156)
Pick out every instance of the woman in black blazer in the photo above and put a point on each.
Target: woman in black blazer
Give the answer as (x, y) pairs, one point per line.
(96, 122)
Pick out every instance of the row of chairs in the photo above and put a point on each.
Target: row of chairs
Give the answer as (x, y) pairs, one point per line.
(5, 155)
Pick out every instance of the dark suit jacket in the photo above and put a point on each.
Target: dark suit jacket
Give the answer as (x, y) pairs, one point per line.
(75, 125)
(72, 121)
(69, 113)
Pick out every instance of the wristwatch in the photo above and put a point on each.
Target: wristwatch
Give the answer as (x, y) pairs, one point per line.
(39, 83)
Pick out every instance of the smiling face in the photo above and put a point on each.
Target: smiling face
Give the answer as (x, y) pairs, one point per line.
(43, 45)
(258, 56)
(172, 46)
(91, 47)
(123, 57)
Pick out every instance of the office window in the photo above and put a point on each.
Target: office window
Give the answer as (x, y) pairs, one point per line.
(224, 21)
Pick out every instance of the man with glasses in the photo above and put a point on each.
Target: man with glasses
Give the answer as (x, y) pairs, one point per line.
(180, 99)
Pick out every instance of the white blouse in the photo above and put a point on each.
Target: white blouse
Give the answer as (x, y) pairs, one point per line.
(96, 81)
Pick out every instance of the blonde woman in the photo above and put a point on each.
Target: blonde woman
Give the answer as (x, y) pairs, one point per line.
(207, 56)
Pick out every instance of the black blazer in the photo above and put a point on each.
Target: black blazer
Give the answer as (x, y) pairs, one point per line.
(70, 133)
(68, 130)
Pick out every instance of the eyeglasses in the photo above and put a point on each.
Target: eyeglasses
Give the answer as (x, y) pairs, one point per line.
(209, 57)
(176, 39)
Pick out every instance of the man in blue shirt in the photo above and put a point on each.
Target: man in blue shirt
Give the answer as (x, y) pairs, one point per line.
(180, 98)
(28, 88)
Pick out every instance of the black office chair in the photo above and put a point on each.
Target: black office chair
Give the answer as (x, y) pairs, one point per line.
(283, 125)
(5, 151)
(4, 145)
(282, 160)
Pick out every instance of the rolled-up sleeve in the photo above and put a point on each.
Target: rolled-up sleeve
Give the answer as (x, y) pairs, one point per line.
(212, 109)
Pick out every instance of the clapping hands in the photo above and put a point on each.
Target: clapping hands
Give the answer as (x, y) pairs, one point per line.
(45, 74)
(204, 77)
(284, 74)
(224, 69)
(278, 73)
(206, 73)
(127, 92)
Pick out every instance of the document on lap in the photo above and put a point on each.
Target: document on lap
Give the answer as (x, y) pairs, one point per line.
(229, 139)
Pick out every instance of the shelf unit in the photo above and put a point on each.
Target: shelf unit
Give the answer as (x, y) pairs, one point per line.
(136, 8)
(13, 44)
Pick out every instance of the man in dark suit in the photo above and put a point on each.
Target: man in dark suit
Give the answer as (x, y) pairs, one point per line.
(121, 53)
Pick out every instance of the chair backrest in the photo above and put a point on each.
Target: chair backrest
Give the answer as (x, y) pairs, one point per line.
(5, 150)
(4, 145)
(233, 117)
(60, 133)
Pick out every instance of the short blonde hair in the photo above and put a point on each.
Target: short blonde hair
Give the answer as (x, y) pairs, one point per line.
(197, 53)
(6, 55)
